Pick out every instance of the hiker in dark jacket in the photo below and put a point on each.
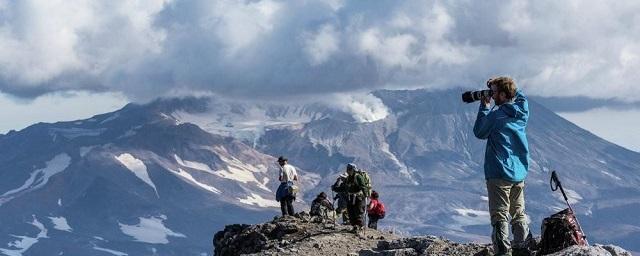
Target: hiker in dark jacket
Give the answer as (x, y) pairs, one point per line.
(355, 187)
(506, 161)
(342, 197)
(321, 206)
(375, 210)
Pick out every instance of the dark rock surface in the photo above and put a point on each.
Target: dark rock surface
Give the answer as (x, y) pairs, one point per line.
(304, 235)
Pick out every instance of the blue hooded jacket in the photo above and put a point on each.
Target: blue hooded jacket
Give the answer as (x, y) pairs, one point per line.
(507, 153)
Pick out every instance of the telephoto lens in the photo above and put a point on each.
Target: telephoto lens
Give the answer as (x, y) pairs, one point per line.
(472, 96)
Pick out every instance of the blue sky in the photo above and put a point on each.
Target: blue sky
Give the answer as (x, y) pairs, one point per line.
(62, 60)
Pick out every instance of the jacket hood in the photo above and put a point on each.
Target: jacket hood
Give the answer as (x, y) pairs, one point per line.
(512, 110)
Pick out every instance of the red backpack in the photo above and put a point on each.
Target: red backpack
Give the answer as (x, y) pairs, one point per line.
(378, 210)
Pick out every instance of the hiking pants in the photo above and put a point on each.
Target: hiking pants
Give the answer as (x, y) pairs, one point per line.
(373, 221)
(506, 200)
(343, 199)
(355, 208)
(286, 206)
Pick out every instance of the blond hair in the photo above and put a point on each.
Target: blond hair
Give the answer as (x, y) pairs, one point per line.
(504, 84)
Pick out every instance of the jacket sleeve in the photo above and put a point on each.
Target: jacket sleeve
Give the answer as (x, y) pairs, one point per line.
(522, 106)
(484, 123)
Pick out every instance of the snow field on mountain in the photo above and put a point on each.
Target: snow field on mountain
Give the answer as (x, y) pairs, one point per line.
(150, 230)
(242, 172)
(185, 175)
(23, 243)
(60, 223)
(469, 217)
(138, 168)
(193, 165)
(257, 200)
(114, 252)
(39, 177)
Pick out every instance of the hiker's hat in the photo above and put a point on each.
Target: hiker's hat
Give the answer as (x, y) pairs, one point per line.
(282, 159)
(351, 166)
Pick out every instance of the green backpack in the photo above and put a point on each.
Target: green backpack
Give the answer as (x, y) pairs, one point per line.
(367, 182)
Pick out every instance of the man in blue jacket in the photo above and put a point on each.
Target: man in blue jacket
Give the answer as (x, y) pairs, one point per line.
(506, 161)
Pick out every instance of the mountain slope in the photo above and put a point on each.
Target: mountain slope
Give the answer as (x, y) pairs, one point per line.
(161, 177)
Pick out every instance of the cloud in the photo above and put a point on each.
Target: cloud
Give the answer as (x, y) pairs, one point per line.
(363, 107)
(264, 48)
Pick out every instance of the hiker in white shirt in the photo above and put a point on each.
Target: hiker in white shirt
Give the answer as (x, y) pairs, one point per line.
(286, 193)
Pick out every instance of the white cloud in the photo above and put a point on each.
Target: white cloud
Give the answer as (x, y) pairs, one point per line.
(390, 51)
(238, 24)
(363, 107)
(148, 48)
(58, 44)
(321, 45)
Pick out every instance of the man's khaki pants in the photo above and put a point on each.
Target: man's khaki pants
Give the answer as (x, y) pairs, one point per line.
(506, 200)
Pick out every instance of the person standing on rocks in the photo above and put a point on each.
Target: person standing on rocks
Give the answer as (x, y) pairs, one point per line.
(342, 197)
(285, 193)
(506, 161)
(375, 210)
(356, 189)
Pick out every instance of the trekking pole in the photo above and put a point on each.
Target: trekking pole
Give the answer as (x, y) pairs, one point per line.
(365, 225)
(333, 205)
(555, 181)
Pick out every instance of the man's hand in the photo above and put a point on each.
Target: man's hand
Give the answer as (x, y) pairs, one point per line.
(486, 101)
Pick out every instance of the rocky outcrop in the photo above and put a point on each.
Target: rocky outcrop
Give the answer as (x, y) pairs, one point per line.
(305, 235)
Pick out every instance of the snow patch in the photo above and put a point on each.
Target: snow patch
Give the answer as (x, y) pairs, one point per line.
(84, 150)
(59, 201)
(138, 168)
(129, 133)
(60, 223)
(150, 230)
(257, 200)
(111, 118)
(72, 133)
(40, 177)
(239, 171)
(385, 148)
(611, 175)
(469, 217)
(18, 247)
(247, 121)
(572, 196)
(185, 175)
(484, 198)
(193, 165)
(114, 252)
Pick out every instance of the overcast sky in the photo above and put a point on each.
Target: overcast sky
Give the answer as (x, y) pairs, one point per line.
(112, 52)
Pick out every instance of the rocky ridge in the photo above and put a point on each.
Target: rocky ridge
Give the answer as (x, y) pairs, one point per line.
(305, 235)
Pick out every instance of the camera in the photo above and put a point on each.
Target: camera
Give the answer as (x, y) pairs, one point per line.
(472, 96)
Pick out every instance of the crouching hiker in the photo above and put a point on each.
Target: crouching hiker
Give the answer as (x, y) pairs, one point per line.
(375, 210)
(286, 192)
(321, 207)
